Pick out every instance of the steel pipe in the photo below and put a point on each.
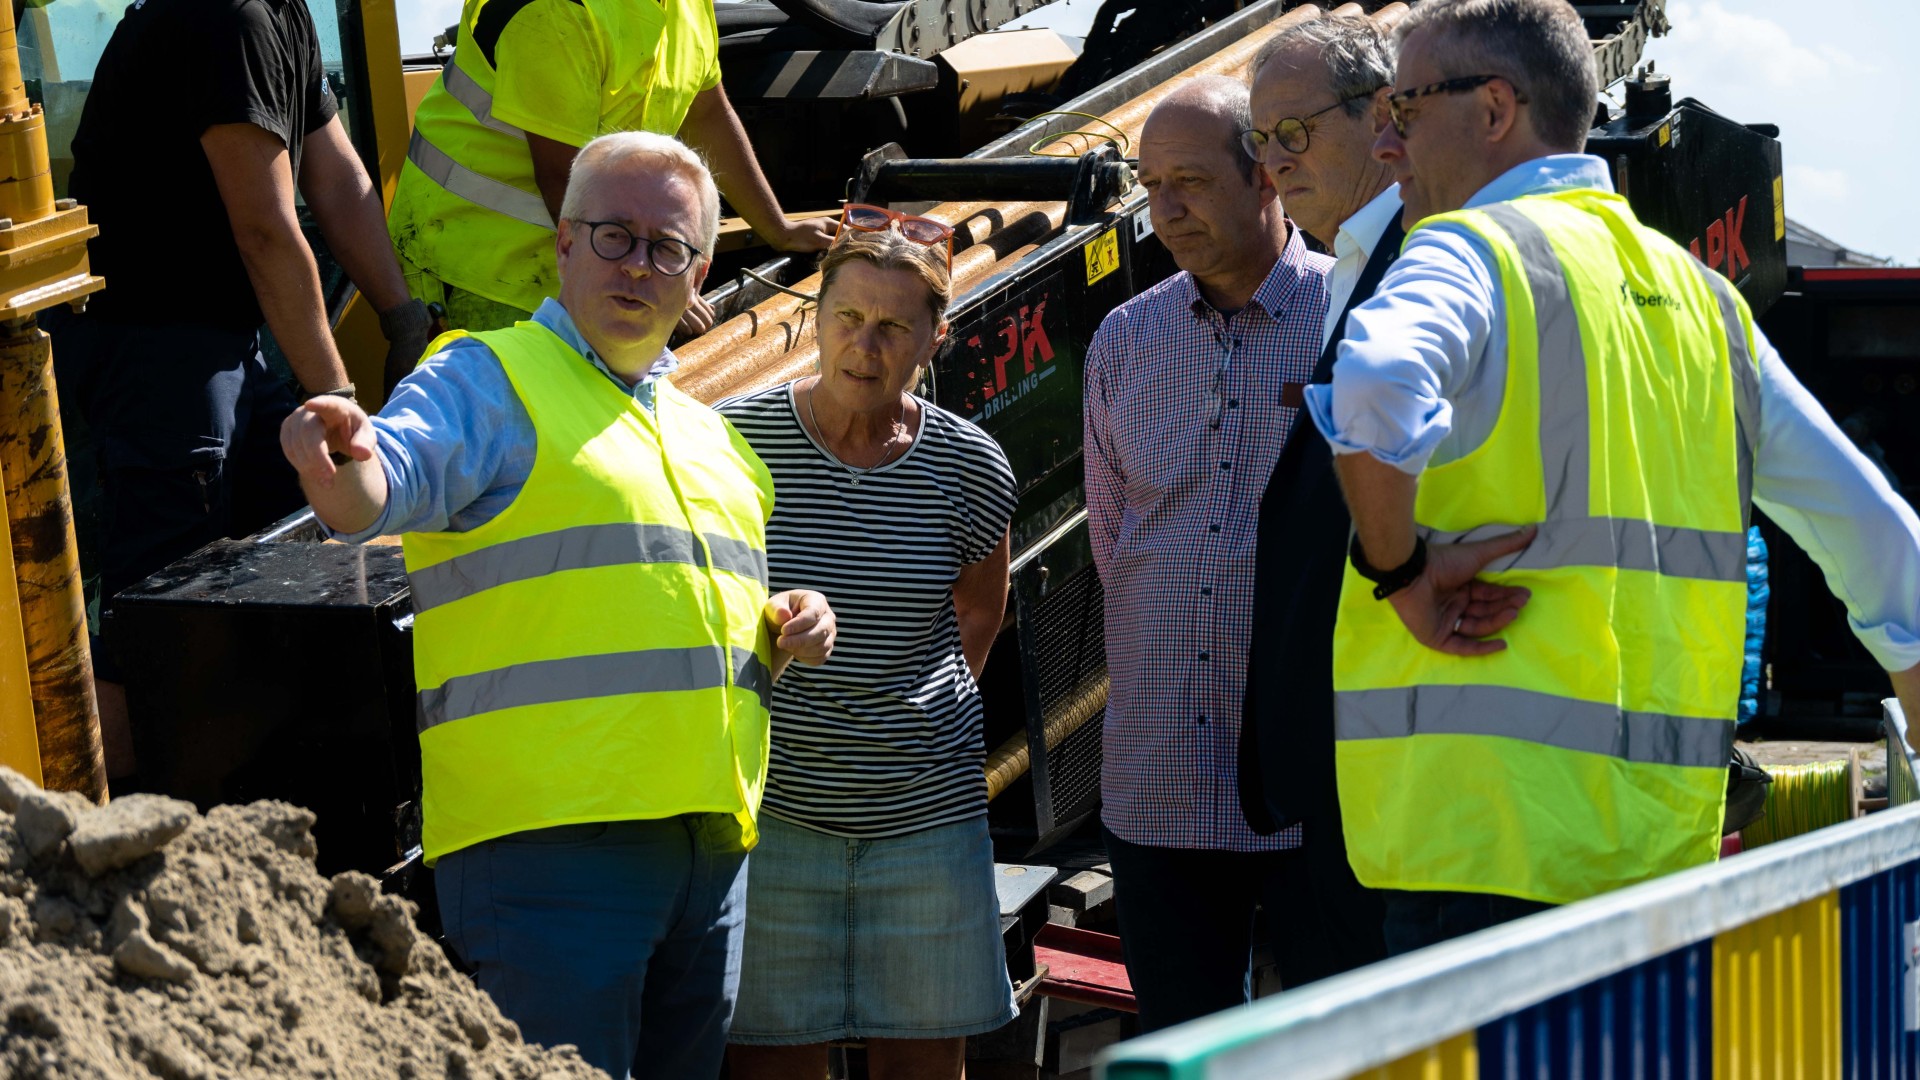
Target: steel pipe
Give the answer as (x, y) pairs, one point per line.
(774, 340)
(1013, 757)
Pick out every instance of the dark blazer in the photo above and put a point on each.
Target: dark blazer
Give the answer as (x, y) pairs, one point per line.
(1286, 731)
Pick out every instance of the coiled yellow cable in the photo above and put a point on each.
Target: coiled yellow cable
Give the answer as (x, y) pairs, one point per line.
(1802, 798)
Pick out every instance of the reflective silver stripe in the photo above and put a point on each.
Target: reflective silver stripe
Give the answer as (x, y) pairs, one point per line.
(477, 189)
(578, 678)
(1564, 723)
(1619, 542)
(750, 674)
(1565, 447)
(581, 547)
(1746, 382)
(461, 87)
(741, 558)
(1569, 536)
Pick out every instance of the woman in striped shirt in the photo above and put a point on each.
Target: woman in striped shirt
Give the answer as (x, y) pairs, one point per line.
(870, 901)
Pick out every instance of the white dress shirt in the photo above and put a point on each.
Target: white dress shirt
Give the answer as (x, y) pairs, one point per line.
(1352, 246)
(1423, 367)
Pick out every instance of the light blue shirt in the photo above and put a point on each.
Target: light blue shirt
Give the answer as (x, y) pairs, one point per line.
(455, 441)
(1423, 368)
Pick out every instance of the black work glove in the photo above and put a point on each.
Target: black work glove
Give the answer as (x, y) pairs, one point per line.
(408, 329)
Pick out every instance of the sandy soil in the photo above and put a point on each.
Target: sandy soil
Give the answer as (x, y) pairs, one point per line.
(142, 939)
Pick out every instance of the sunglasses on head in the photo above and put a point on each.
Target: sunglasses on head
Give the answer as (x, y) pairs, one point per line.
(920, 230)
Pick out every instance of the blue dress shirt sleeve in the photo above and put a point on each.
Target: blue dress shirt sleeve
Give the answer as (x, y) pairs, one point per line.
(1837, 505)
(434, 475)
(455, 441)
(1422, 334)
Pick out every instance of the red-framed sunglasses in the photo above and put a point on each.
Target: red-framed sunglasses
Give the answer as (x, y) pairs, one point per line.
(920, 230)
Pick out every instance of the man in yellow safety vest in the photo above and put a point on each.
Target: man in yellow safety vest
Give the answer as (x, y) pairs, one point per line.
(530, 82)
(1552, 421)
(594, 646)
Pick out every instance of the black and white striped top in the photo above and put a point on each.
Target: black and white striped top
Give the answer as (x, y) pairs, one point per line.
(884, 738)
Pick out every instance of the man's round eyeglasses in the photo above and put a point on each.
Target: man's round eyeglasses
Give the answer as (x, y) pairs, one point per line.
(1294, 133)
(613, 242)
(1396, 103)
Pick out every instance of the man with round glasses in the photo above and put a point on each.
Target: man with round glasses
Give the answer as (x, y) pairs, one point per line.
(1320, 156)
(594, 645)
(1319, 159)
(1551, 424)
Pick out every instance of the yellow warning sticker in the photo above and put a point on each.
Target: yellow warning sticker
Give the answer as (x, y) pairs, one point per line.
(1103, 255)
(1779, 211)
(1666, 134)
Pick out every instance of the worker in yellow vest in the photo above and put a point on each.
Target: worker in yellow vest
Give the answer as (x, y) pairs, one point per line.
(530, 82)
(594, 645)
(1550, 421)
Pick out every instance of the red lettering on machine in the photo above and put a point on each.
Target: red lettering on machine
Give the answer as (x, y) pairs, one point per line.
(1726, 250)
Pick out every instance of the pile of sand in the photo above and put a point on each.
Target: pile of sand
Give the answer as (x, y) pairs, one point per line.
(142, 939)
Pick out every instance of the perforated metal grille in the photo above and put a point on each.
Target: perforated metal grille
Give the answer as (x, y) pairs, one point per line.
(1074, 766)
(1070, 664)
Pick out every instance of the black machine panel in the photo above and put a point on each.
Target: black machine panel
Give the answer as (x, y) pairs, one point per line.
(280, 671)
(1705, 181)
(1852, 336)
(1014, 364)
(1016, 350)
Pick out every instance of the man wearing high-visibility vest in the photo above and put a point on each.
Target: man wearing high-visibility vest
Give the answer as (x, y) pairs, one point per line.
(530, 82)
(593, 641)
(1550, 421)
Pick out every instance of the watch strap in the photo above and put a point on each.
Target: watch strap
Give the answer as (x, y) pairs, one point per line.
(1388, 582)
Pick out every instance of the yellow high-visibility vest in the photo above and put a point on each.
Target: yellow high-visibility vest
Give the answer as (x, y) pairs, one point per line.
(1593, 752)
(597, 652)
(466, 208)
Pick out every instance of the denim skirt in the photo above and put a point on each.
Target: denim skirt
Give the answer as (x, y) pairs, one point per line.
(895, 938)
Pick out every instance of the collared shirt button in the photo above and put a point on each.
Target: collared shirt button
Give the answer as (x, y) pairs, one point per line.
(1226, 464)
(1206, 590)
(1202, 719)
(1233, 403)
(1203, 654)
(1213, 527)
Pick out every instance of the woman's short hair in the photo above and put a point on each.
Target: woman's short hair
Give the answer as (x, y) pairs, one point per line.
(888, 250)
(669, 153)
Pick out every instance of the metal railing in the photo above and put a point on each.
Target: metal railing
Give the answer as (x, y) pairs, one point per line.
(1417, 1015)
(1903, 765)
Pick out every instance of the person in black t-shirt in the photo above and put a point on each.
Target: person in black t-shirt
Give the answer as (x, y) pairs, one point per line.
(204, 118)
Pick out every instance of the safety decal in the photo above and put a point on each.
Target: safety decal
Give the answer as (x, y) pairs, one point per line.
(1142, 224)
(1103, 255)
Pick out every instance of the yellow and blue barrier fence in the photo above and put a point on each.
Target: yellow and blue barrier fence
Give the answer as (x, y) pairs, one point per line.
(1795, 961)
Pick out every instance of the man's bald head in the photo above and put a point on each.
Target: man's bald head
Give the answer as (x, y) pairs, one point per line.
(1210, 203)
(1207, 103)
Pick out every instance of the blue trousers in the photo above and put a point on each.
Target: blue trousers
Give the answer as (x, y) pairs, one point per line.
(622, 938)
(174, 433)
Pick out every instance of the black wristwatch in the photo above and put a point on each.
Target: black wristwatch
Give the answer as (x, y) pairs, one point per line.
(1388, 582)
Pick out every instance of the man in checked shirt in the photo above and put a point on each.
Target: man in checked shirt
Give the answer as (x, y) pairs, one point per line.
(1193, 387)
